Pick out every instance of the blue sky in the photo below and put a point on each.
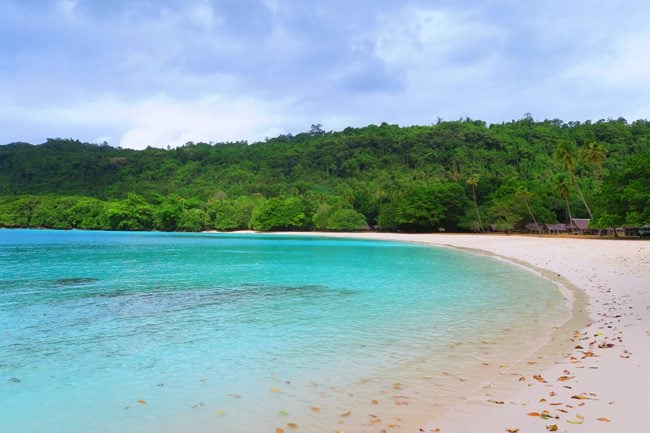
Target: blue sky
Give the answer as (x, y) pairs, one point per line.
(138, 73)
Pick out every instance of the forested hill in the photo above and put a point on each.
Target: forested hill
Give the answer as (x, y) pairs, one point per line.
(420, 178)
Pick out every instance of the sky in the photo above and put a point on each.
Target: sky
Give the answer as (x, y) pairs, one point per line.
(138, 73)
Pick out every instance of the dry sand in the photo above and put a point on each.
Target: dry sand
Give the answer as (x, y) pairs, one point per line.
(602, 355)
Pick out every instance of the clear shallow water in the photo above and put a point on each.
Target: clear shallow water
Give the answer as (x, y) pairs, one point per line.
(246, 333)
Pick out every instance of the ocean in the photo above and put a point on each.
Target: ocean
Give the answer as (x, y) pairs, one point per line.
(144, 332)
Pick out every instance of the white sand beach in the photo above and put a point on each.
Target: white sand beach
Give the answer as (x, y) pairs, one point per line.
(593, 375)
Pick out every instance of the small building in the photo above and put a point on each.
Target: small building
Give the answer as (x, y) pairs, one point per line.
(555, 229)
(579, 226)
(534, 228)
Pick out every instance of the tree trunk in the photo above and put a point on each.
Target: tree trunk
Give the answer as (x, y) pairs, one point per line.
(568, 208)
(539, 229)
(478, 214)
(582, 197)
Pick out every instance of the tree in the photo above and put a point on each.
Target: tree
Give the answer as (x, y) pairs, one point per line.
(525, 195)
(563, 187)
(473, 182)
(594, 153)
(567, 155)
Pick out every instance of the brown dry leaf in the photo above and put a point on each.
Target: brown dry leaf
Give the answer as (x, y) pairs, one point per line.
(275, 389)
(542, 400)
(552, 427)
(346, 414)
(292, 425)
(374, 402)
(565, 378)
(539, 378)
(522, 378)
(315, 409)
(604, 419)
(142, 402)
(495, 401)
(581, 397)
(512, 430)
(533, 414)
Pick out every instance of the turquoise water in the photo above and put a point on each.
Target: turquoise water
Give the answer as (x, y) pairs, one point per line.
(160, 332)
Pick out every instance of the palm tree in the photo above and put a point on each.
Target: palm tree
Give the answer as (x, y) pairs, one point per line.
(567, 155)
(525, 195)
(563, 187)
(473, 182)
(594, 153)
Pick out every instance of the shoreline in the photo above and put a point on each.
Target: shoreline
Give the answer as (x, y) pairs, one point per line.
(593, 372)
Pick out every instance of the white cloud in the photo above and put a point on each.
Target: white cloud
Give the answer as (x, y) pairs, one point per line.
(161, 121)
(421, 38)
(623, 62)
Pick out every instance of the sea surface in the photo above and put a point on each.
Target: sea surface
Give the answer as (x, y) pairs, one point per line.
(229, 333)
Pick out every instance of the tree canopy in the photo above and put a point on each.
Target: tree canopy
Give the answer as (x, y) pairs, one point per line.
(417, 178)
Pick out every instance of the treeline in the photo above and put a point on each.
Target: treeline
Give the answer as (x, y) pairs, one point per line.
(454, 176)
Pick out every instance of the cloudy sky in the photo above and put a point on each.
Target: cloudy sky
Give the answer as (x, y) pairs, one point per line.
(164, 72)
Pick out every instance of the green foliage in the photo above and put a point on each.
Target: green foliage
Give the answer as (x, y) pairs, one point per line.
(279, 214)
(419, 178)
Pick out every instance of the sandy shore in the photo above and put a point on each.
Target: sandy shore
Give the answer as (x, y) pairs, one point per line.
(594, 373)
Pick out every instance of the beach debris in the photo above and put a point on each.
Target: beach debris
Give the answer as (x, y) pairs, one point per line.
(234, 395)
(603, 419)
(579, 419)
(522, 379)
(581, 397)
(539, 378)
(279, 430)
(14, 380)
(292, 425)
(544, 415)
(495, 401)
(374, 402)
(346, 414)
(315, 409)
(565, 378)
(141, 402)
(605, 345)
(283, 413)
(512, 430)
(275, 389)
(551, 427)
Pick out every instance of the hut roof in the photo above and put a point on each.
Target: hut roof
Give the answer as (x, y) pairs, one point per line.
(556, 227)
(581, 223)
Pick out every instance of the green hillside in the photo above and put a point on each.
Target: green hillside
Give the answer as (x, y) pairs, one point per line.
(419, 178)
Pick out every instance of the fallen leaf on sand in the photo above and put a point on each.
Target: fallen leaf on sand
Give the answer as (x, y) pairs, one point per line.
(533, 414)
(292, 425)
(374, 402)
(539, 378)
(495, 401)
(315, 409)
(275, 389)
(552, 427)
(604, 419)
(512, 430)
(581, 397)
(279, 430)
(346, 414)
(142, 402)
